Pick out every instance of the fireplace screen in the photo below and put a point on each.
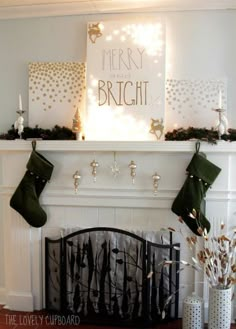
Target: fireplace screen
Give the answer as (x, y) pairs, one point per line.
(108, 275)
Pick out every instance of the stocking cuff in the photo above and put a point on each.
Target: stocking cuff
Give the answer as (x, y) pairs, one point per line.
(203, 168)
(40, 166)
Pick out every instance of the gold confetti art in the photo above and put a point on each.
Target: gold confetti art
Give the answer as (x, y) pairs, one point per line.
(189, 103)
(55, 91)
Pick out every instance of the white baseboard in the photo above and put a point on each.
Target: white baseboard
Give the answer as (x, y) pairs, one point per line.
(17, 301)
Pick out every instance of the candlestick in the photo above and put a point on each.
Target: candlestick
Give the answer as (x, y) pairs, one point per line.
(20, 103)
(19, 123)
(220, 100)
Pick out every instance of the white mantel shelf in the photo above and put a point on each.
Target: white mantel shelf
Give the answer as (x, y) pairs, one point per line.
(121, 146)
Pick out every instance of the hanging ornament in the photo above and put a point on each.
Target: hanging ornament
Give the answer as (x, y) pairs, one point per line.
(156, 179)
(115, 169)
(133, 167)
(76, 178)
(77, 124)
(94, 164)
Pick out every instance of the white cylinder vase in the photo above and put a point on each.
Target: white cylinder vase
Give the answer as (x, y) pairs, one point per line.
(219, 308)
(193, 313)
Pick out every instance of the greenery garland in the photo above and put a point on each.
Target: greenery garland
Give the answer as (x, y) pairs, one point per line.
(64, 133)
(56, 133)
(203, 134)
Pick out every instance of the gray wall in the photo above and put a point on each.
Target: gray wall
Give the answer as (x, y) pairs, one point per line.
(200, 45)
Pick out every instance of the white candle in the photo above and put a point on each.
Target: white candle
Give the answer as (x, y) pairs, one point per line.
(220, 100)
(20, 102)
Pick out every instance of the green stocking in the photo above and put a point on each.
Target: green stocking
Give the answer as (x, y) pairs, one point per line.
(25, 200)
(201, 175)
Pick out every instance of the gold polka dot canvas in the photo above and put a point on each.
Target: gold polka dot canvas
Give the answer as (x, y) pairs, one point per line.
(56, 90)
(191, 102)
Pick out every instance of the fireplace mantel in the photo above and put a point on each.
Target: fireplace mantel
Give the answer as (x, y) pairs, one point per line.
(113, 202)
(122, 146)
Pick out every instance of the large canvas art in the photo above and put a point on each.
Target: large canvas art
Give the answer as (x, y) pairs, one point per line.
(125, 80)
(56, 90)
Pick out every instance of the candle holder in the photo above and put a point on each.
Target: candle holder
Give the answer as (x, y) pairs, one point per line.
(222, 125)
(19, 123)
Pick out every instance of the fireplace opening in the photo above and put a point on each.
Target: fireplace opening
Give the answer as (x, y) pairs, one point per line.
(112, 276)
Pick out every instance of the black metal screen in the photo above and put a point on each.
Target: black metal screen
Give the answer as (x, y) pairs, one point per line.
(163, 287)
(53, 274)
(112, 276)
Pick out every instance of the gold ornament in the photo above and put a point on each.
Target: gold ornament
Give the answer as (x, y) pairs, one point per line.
(76, 178)
(94, 32)
(133, 167)
(94, 164)
(157, 127)
(156, 179)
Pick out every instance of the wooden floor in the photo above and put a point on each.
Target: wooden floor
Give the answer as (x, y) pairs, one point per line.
(41, 320)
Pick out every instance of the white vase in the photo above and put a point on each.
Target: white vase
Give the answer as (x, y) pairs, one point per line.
(193, 314)
(219, 308)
